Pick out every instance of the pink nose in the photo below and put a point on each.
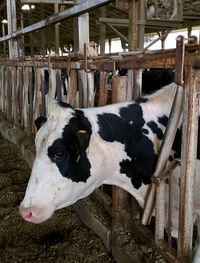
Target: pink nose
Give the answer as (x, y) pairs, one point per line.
(26, 213)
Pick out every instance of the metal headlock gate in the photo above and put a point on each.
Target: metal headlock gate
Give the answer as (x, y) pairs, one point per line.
(24, 94)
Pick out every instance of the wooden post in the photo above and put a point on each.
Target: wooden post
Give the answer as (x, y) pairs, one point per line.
(188, 165)
(102, 32)
(21, 39)
(81, 28)
(135, 76)
(56, 32)
(103, 90)
(132, 34)
(12, 26)
(4, 43)
(72, 91)
(42, 32)
(141, 24)
(119, 196)
(31, 35)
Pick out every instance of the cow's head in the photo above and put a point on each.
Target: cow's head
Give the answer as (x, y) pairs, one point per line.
(61, 172)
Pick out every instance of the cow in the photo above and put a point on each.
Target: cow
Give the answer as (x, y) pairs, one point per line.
(78, 150)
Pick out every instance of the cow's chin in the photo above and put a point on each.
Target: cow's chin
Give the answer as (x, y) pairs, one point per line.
(36, 215)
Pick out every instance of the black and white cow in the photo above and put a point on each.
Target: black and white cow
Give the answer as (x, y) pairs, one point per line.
(78, 150)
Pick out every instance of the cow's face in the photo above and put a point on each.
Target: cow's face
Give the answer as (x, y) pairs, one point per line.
(61, 172)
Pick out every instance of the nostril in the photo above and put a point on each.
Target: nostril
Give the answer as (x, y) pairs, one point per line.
(26, 213)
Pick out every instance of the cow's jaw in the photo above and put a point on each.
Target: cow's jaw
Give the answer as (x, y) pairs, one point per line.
(39, 201)
(50, 191)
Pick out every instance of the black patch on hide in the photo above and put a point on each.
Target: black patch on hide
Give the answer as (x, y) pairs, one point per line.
(64, 104)
(73, 163)
(141, 100)
(155, 129)
(163, 120)
(137, 146)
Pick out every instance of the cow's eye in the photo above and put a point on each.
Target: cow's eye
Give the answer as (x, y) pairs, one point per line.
(58, 155)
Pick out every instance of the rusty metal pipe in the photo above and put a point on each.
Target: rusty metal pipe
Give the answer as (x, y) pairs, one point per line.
(165, 149)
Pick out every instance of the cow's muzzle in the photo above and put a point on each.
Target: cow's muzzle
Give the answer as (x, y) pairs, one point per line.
(35, 214)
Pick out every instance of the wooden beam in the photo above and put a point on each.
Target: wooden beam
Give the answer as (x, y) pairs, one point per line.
(114, 21)
(67, 13)
(117, 32)
(72, 2)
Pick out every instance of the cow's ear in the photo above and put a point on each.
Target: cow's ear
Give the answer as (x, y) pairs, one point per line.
(82, 138)
(40, 121)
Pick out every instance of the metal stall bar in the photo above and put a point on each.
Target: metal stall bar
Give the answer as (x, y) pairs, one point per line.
(161, 189)
(167, 141)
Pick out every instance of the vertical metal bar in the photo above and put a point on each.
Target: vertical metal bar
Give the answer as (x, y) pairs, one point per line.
(8, 92)
(25, 97)
(1, 90)
(43, 100)
(58, 84)
(52, 84)
(37, 90)
(137, 89)
(160, 211)
(14, 96)
(4, 88)
(165, 150)
(30, 96)
(103, 90)
(188, 165)
(21, 88)
(90, 86)
(170, 130)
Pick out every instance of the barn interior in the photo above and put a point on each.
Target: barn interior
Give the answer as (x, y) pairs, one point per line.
(49, 37)
(107, 22)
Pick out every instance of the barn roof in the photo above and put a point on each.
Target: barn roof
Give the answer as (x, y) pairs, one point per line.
(188, 15)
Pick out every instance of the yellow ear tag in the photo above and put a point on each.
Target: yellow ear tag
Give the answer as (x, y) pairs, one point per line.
(78, 158)
(82, 131)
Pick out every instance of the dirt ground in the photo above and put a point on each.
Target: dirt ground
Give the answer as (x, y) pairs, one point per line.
(62, 239)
